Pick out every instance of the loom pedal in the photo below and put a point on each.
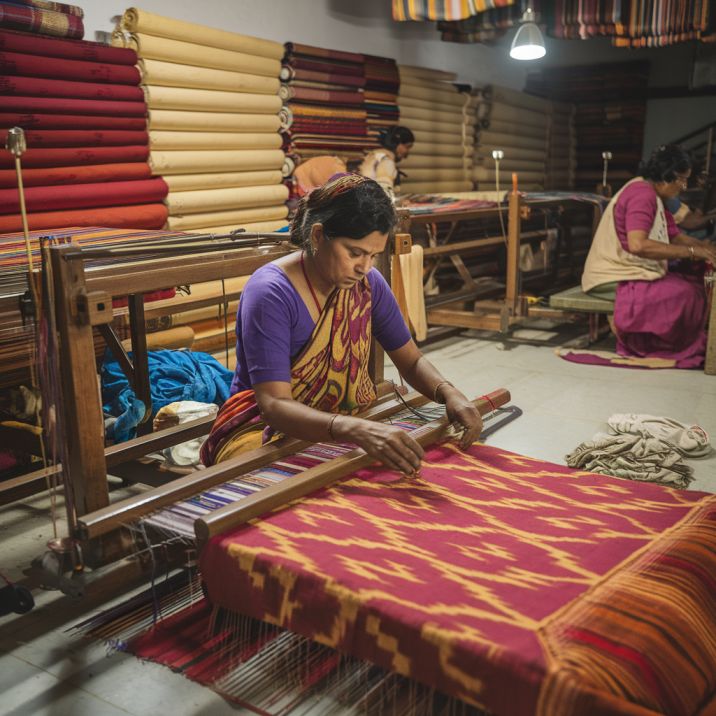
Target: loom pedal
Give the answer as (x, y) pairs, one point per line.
(510, 413)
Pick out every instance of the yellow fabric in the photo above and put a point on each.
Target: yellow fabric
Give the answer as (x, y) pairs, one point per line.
(166, 140)
(211, 100)
(222, 219)
(178, 120)
(204, 200)
(243, 441)
(187, 182)
(196, 162)
(137, 20)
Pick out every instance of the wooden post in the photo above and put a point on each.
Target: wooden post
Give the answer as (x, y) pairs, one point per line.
(514, 230)
(402, 245)
(140, 360)
(81, 421)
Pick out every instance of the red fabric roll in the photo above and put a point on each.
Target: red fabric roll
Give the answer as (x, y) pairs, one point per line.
(142, 216)
(30, 120)
(36, 87)
(84, 196)
(74, 106)
(42, 22)
(69, 49)
(79, 138)
(65, 157)
(325, 66)
(76, 175)
(318, 96)
(16, 63)
(51, 5)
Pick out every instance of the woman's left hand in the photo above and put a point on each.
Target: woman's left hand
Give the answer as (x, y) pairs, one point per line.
(462, 412)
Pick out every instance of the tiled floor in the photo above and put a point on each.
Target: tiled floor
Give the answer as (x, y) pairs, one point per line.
(46, 672)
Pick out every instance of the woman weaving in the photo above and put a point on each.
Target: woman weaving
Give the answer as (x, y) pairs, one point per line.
(304, 329)
(658, 312)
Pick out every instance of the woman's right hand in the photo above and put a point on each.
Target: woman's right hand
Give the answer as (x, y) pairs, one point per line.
(386, 443)
(705, 252)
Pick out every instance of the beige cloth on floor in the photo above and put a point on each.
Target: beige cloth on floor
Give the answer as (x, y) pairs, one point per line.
(689, 440)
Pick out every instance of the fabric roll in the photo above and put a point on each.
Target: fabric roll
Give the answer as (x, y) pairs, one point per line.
(187, 182)
(29, 120)
(285, 116)
(447, 96)
(504, 95)
(76, 175)
(449, 116)
(198, 162)
(430, 105)
(56, 105)
(483, 153)
(150, 47)
(212, 200)
(497, 140)
(431, 187)
(211, 100)
(224, 218)
(429, 138)
(84, 196)
(435, 174)
(78, 137)
(506, 113)
(177, 120)
(415, 161)
(515, 164)
(320, 96)
(288, 166)
(136, 20)
(51, 5)
(293, 74)
(483, 174)
(141, 216)
(526, 129)
(170, 74)
(16, 63)
(67, 49)
(442, 150)
(39, 87)
(162, 141)
(256, 227)
(425, 73)
(74, 156)
(297, 48)
(41, 22)
(430, 125)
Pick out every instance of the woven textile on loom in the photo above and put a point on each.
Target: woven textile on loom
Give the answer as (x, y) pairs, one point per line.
(214, 119)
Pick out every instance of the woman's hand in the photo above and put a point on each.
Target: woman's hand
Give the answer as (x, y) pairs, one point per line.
(386, 443)
(461, 411)
(706, 252)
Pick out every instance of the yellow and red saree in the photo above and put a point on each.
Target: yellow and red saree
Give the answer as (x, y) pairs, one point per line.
(329, 374)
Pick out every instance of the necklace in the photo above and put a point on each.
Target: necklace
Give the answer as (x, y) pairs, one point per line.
(310, 285)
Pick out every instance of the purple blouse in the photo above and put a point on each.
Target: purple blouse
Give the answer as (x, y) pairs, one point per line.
(636, 210)
(273, 325)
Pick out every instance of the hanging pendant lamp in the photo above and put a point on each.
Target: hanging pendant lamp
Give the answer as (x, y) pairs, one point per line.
(528, 43)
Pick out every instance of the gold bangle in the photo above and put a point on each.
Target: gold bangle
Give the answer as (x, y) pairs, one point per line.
(691, 251)
(437, 388)
(330, 426)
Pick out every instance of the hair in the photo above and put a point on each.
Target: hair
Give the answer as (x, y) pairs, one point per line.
(350, 205)
(665, 162)
(391, 137)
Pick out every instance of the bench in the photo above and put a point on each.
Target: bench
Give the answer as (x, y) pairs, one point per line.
(576, 301)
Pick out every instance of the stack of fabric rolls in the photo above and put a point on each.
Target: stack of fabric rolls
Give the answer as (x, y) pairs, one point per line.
(324, 90)
(518, 124)
(214, 119)
(83, 113)
(382, 83)
(433, 109)
(562, 154)
(43, 17)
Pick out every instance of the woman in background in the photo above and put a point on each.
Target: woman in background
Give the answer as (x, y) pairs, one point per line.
(381, 164)
(659, 311)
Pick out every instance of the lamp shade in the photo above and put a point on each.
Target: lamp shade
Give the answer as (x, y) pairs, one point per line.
(528, 43)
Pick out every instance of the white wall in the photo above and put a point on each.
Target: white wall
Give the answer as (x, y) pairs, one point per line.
(367, 26)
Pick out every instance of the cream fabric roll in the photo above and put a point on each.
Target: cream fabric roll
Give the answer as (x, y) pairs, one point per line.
(442, 150)
(179, 120)
(496, 140)
(506, 113)
(222, 219)
(431, 105)
(211, 100)
(198, 162)
(150, 47)
(187, 182)
(510, 165)
(527, 130)
(482, 174)
(436, 174)
(408, 113)
(429, 138)
(416, 161)
(171, 74)
(212, 200)
(258, 227)
(161, 140)
(426, 73)
(483, 154)
(436, 93)
(432, 187)
(136, 20)
(515, 98)
(430, 125)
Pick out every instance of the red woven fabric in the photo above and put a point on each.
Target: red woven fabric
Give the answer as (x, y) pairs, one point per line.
(69, 49)
(74, 106)
(43, 22)
(142, 216)
(80, 138)
(461, 579)
(76, 175)
(84, 196)
(36, 87)
(29, 120)
(73, 156)
(16, 63)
